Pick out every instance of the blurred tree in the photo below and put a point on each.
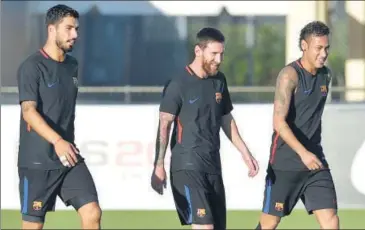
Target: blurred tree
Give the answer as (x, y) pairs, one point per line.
(269, 54)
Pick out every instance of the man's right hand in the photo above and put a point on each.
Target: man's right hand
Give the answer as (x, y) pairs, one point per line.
(66, 152)
(252, 164)
(311, 161)
(158, 179)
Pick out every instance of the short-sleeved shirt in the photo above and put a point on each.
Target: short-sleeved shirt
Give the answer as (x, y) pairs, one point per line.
(53, 85)
(199, 105)
(304, 118)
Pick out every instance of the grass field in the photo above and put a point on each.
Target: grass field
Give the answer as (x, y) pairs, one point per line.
(350, 219)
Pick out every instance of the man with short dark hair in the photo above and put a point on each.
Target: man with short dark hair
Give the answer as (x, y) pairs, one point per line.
(48, 163)
(297, 168)
(199, 104)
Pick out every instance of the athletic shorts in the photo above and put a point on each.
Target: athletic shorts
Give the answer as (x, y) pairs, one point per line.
(199, 198)
(283, 189)
(40, 188)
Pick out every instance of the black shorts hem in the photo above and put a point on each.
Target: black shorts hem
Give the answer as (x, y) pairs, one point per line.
(273, 213)
(33, 219)
(78, 202)
(310, 211)
(185, 223)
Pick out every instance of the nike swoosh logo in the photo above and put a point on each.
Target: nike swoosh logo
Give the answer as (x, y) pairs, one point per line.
(50, 85)
(307, 91)
(191, 101)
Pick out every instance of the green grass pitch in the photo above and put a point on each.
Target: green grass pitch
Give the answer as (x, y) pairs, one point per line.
(10, 219)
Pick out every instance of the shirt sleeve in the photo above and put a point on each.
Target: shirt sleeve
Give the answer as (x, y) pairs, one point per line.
(227, 106)
(171, 98)
(28, 81)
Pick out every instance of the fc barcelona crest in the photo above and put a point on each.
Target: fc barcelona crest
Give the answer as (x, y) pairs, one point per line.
(218, 97)
(37, 205)
(200, 212)
(279, 206)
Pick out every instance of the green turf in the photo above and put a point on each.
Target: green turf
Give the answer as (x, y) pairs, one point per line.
(350, 219)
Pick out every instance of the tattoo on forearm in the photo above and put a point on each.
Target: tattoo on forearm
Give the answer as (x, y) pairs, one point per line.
(285, 86)
(27, 105)
(162, 139)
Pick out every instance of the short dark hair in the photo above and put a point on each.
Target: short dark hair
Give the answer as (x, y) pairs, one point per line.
(208, 34)
(315, 28)
(56, 13)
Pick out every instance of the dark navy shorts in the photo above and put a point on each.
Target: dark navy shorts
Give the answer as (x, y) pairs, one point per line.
(39, 189)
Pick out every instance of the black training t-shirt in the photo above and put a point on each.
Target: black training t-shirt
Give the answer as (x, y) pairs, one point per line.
(304, 119)
(53, 85)
(199, 105)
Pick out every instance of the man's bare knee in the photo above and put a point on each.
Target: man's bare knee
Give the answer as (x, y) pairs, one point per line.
(32, 222)
(90, 213)
(269, 221)
(90, 216)
(31, 225)
(327, 218)
(202, 226)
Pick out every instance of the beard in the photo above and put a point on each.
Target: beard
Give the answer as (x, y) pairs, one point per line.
(64, 46)
(209, 69)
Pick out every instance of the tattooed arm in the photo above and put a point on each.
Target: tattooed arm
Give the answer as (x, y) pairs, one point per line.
(163, 136)
(170, 106)
(286, 84)
(36, 121)
(158, 179)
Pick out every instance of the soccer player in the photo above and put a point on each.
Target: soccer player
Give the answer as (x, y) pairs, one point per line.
(49, 164)
(199, 104)
(298, 168)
